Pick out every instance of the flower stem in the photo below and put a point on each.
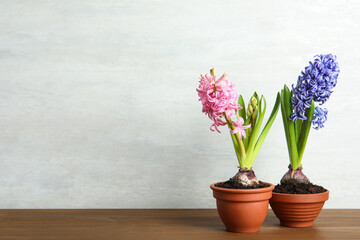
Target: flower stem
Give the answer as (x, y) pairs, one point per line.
(240, 142)
(213, 73)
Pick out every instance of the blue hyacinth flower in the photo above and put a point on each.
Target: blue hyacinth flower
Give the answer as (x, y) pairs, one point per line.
(315, 83)
(319, 118)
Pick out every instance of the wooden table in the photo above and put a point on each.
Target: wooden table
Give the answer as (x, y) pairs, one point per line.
(163, 224)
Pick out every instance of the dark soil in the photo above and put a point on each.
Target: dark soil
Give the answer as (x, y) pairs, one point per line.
(294, 187)
(232, 184)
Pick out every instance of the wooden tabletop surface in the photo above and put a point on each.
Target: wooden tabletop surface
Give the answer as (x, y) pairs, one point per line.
(148, 224)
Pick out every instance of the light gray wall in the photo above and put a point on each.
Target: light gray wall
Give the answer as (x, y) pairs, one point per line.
(98, 105)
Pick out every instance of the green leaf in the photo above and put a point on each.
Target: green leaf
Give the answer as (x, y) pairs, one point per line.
(291, 125)
(249, 131)
(285, 122)
(255, 133)
(236, 147)
(246, 141)
(242, 112)
(304, 134)
(266, 128)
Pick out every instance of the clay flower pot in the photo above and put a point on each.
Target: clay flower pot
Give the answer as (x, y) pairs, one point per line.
(242, 210)
(298, 210)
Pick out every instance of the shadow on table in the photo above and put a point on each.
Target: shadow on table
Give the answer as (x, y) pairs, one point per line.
(269, 230)
(214, 222)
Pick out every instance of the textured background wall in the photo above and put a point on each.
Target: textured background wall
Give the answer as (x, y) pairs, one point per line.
(98, 107)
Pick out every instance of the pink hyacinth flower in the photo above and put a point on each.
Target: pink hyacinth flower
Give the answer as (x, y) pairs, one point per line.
(240, 128)
(217, 101)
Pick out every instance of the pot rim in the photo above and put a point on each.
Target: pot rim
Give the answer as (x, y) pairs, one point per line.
(249, 191)
(300, 198)
(294, 194)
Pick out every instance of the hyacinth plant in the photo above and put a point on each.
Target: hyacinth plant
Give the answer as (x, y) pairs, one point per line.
(220, 103)
(314, 85)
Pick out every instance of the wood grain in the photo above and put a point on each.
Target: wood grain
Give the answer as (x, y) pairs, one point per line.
(162, 224)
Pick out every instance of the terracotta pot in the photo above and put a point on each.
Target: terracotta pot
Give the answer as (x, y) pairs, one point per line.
(242, 210)
(298, 210)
